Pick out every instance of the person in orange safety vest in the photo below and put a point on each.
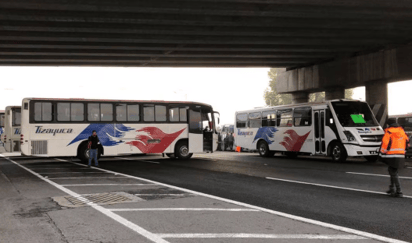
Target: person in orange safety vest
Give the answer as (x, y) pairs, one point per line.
(392, 152)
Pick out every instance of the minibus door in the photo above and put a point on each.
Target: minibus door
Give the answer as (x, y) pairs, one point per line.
(195, 131)
(319, 126)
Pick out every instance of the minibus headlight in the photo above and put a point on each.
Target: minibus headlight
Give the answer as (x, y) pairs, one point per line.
(349, 136)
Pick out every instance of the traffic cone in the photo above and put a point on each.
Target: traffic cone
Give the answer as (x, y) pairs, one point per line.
(238, 149)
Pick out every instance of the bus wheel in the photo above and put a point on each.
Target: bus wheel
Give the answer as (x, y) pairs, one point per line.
(182, 151)
(264, 149)
(338, 152)
(372, 158)
(84, 153)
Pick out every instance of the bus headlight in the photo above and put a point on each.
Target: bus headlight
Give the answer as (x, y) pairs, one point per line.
(349, 136)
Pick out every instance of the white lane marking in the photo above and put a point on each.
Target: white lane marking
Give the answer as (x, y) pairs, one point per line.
(184, 209)
(285, 215)
(329, 186)
(87, 177)
(108, 213)
(76, 168)
(155, 194)
(381, 175)
(144, 161)
(109, 185)
(265, 236)
(45, 172)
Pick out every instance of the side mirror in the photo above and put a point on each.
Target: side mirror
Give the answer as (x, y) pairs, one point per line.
(218, 120)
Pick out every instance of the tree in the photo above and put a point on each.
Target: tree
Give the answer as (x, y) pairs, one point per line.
(272, 98)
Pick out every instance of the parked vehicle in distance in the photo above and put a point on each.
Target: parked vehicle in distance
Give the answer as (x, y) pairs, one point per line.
(61, 127)
(336, 128)
(405, 121)
(12, 129)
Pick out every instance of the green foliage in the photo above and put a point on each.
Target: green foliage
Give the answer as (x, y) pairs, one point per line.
(272, 98)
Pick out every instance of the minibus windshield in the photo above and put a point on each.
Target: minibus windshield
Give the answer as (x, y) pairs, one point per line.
(354, 114)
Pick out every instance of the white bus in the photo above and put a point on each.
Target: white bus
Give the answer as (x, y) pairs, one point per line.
(61, 127)
(12, 129)
(336, 128)
(1, 127)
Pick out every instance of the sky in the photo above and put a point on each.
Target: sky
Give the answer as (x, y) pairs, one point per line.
(226, 89)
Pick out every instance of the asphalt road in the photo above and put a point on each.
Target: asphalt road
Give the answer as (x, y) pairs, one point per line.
(344, 194)
(242, 177)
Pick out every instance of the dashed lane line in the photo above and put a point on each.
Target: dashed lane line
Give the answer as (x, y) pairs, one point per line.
(89, 177)
(381, 175)
(265, 236)
(160, 194)
(285, 215)
(329, 186)
(184, 209)
(116, 217)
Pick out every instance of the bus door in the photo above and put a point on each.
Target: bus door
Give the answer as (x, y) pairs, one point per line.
(195, 131)
(319, 123)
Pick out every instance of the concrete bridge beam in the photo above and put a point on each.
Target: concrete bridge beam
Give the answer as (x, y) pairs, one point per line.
(300, 97)
(335, 93)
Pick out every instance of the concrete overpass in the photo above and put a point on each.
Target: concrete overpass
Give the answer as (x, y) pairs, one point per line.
(324, 44)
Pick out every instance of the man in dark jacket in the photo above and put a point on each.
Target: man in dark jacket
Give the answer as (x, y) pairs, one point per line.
(93, 149)
(392, 152)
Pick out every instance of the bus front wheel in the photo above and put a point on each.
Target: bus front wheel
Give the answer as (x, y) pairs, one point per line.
(338, 152)
(264, 149)
(182, 151)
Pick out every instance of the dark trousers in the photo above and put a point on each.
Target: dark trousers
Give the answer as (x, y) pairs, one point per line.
(393, 172)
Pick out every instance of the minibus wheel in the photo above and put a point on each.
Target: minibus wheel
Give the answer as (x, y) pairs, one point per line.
(182, 150)
(338, 152)
(263, 149)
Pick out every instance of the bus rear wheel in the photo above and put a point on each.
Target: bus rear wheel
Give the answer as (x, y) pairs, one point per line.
(338, 152)
(182, 151)
(264, 149)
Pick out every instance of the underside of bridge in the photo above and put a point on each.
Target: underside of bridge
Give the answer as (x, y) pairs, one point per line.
(198, 33)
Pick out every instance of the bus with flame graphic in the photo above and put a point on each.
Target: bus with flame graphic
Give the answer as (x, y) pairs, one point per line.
(336, 128)
(61, 127)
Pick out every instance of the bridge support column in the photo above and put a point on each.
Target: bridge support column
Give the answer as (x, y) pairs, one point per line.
(300, 97)
(377, 98)
(335, 93)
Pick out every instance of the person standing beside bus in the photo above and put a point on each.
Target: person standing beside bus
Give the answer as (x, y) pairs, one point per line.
(93, 149)
(392, 152)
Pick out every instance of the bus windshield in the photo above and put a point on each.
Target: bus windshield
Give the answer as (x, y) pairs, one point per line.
(354, 114)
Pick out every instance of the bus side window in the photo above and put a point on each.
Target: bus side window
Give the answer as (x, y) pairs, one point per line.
(133, 113)
(93, 112)
(302, 116)
(148, 112)
(160, 112)
(174, 114)
(268, 118)
(255, 120)
(241, 120)
(43, 111)
(284, 118)
(121, 111)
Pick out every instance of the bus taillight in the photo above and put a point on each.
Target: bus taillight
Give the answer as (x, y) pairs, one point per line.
(21, 138)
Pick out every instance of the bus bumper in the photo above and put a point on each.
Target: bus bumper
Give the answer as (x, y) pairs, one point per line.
(359, 151)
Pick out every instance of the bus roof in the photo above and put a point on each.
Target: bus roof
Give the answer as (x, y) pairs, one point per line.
(299, 105)
(115, 100)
